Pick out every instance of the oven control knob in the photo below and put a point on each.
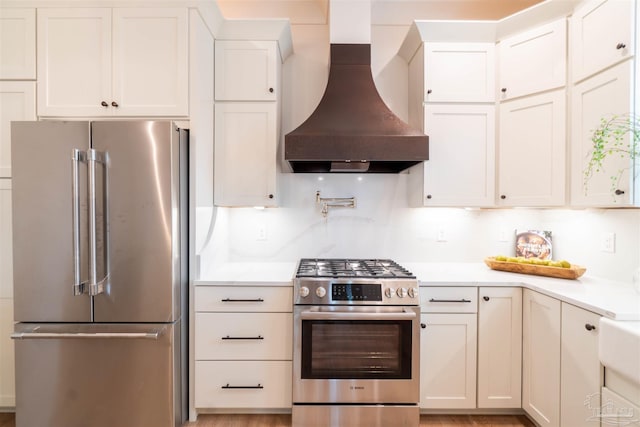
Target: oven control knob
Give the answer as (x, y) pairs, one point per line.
(321, 292)
(413, 292)
(303, 292)
(402, 292)
(388, 292)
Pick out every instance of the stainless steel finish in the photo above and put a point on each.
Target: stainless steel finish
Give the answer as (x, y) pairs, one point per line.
(334, 202)
(77, 156)
(95, 287)
(97, 382)
(449, 300)
(357, 313)
(355, 415)
(306, 291)
(98, 335)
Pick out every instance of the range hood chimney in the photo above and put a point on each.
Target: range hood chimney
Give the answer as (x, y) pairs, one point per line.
(352, 129)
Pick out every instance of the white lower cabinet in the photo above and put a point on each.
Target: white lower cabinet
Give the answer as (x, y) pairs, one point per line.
(7, 377)
(541, 358)
(448, 348)
(581, 371)
(499, 347)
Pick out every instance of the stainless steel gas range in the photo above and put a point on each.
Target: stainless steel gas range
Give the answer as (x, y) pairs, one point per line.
(356, 344)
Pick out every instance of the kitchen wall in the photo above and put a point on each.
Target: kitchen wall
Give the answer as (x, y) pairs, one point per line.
(382, 224)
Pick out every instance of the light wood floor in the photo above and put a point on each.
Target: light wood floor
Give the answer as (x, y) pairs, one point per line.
(7, 420)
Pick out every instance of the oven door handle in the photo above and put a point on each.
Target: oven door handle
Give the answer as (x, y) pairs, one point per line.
(350, 315)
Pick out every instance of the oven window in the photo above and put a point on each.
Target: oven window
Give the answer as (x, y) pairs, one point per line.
(356, 349)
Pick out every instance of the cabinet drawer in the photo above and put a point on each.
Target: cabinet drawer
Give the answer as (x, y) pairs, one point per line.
(448, 299)
(268, 384)
(244, 299)
(243, 336)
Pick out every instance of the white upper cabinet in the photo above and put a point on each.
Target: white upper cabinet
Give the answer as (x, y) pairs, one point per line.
(246, 70)
(532, 151)
(461, 169)
(459, 72)
(600, 97)
(17, 44)
(533, 61)
(17, 102)
(104, 62)
(602, 34)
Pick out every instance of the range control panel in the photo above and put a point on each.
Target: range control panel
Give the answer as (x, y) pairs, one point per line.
(356, 292)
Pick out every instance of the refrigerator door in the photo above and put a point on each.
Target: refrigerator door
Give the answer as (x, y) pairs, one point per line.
(43, 243)
(143, 263)
(97, 375)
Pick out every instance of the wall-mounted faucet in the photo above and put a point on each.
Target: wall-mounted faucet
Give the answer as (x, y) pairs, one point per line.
(334, 202)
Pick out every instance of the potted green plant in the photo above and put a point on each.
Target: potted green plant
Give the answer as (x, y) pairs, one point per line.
(611, 139)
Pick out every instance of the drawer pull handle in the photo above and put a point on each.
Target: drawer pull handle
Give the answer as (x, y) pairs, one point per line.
(449, 300)
(235, 387)
(243, 300)
(589, 327)
(259, 337)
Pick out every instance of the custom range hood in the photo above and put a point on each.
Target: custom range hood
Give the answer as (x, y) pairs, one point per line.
(352, 129)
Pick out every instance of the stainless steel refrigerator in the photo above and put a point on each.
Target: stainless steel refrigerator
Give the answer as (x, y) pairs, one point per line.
(100, 273)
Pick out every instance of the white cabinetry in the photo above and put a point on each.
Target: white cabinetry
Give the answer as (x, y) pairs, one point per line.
(532, 150)
(581, 372)
(17, 44)
(7, 378)
(113, 62)
(541, 358)
(448, 347)
(243, 347)
(499, 347)
(602, 34)
(533, 61)
(17, 102)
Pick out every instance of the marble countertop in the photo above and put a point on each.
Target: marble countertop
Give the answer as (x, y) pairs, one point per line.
(615, 300)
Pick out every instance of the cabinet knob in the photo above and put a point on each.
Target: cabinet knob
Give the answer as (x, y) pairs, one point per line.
(429, 91)
(620, 46)
(271, 196)
(503, 90)
(503, 197)
(428, 196)
(486, 298)
(270, 90)
(114, 104)
(619, 192)
(104, 104)
(423, 325)
(589, 327)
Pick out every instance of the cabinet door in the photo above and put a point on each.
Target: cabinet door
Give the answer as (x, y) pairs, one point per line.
(6, 247)
(533, 61)
(541, 358)
(17, 44)
(246, 70)
(461, 166)
(245, 154)
(150, 61)
(601, 96)
(459, 72)
(448, 361)
(7, 376)
(74, 62)
(602, 34)
(499, 347)
(580, 368)
(532, 151)
(17, 102)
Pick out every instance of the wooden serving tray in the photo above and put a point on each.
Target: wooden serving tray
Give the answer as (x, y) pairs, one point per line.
(573, 272)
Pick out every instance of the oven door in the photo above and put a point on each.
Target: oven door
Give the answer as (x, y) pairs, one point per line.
(356, 354)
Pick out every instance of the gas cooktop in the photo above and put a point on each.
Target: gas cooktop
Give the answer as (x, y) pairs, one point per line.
(363, 268)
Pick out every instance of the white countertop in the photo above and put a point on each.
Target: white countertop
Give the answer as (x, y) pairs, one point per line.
(615, 300)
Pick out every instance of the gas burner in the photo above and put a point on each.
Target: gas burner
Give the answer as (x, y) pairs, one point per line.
(344, 268)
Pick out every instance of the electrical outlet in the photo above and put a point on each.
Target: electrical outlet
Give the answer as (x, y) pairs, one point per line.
(608, 242)
(262, 232)
(441, 235)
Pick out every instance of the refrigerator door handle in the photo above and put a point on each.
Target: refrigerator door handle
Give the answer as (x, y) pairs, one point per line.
(153, 335)
(77, 156)
(95, 287)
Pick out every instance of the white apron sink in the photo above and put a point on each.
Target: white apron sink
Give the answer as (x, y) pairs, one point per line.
(620, 348)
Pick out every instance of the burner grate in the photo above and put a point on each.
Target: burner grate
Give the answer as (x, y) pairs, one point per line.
(338, 267)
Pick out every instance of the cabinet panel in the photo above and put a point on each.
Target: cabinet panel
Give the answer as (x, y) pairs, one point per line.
(580, 368)
(449, 299)
(534, 61)
(601, 96)
(499, 347)
(6, 245)
(541, 358)
(17, 102)
(532, 151)
(448, 361)
(459, 72)
(7, 358)
(17, 44)
(74, 61)
(268, 384)
(461, 169)
(602, 34)
(246, 70)
(244, 299)
(243, 336)
(150, 61)
(245, 154)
